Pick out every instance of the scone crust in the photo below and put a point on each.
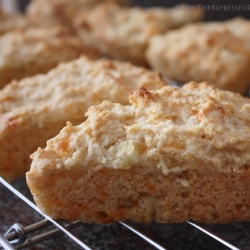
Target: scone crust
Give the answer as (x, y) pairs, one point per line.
(173, 155)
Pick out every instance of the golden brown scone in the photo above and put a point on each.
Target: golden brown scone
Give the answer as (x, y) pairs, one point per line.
(10, 22)
(36, 108)
(61, 11)
(173, 155)
(202, 52)
(123, 33)
(35, 50)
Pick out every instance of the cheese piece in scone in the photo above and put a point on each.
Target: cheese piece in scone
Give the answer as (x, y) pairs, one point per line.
(123, 33)
(202, 52)
(173, 155)
(36, 108)
(35, 50)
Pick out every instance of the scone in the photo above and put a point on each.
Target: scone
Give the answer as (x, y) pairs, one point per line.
(36, 108)
(202, 52)
(61, 11)
(240, 27)
(35, 50)
(123, 33)
(173, 155)
(10, 22)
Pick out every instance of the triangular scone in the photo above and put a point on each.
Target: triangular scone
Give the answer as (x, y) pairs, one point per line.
(35, 109)
(173, 155)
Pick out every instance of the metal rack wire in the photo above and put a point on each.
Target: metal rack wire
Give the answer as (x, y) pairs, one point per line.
(17, 237)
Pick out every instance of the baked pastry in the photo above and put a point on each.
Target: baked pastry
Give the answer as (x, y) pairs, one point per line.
(10, 22)
(173, 155)
(202, 52)
(36, 108)
(123, 33)
(240, 27)
(61, 11)
(35, 50)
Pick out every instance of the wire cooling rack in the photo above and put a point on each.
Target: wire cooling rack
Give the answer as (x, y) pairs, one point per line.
(38, 231)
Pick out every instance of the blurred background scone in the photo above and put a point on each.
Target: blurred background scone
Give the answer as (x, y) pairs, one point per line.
(61, 11)
(240, 27)
(10, 22)
(123, 33)
(36, 108)
(203, 52)
(35, 50)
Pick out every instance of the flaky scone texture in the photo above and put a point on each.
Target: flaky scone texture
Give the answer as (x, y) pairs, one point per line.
(36, 108)
(123, 33)
(202, 52)
(35, 50)
(173, 155)
(61, 11)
